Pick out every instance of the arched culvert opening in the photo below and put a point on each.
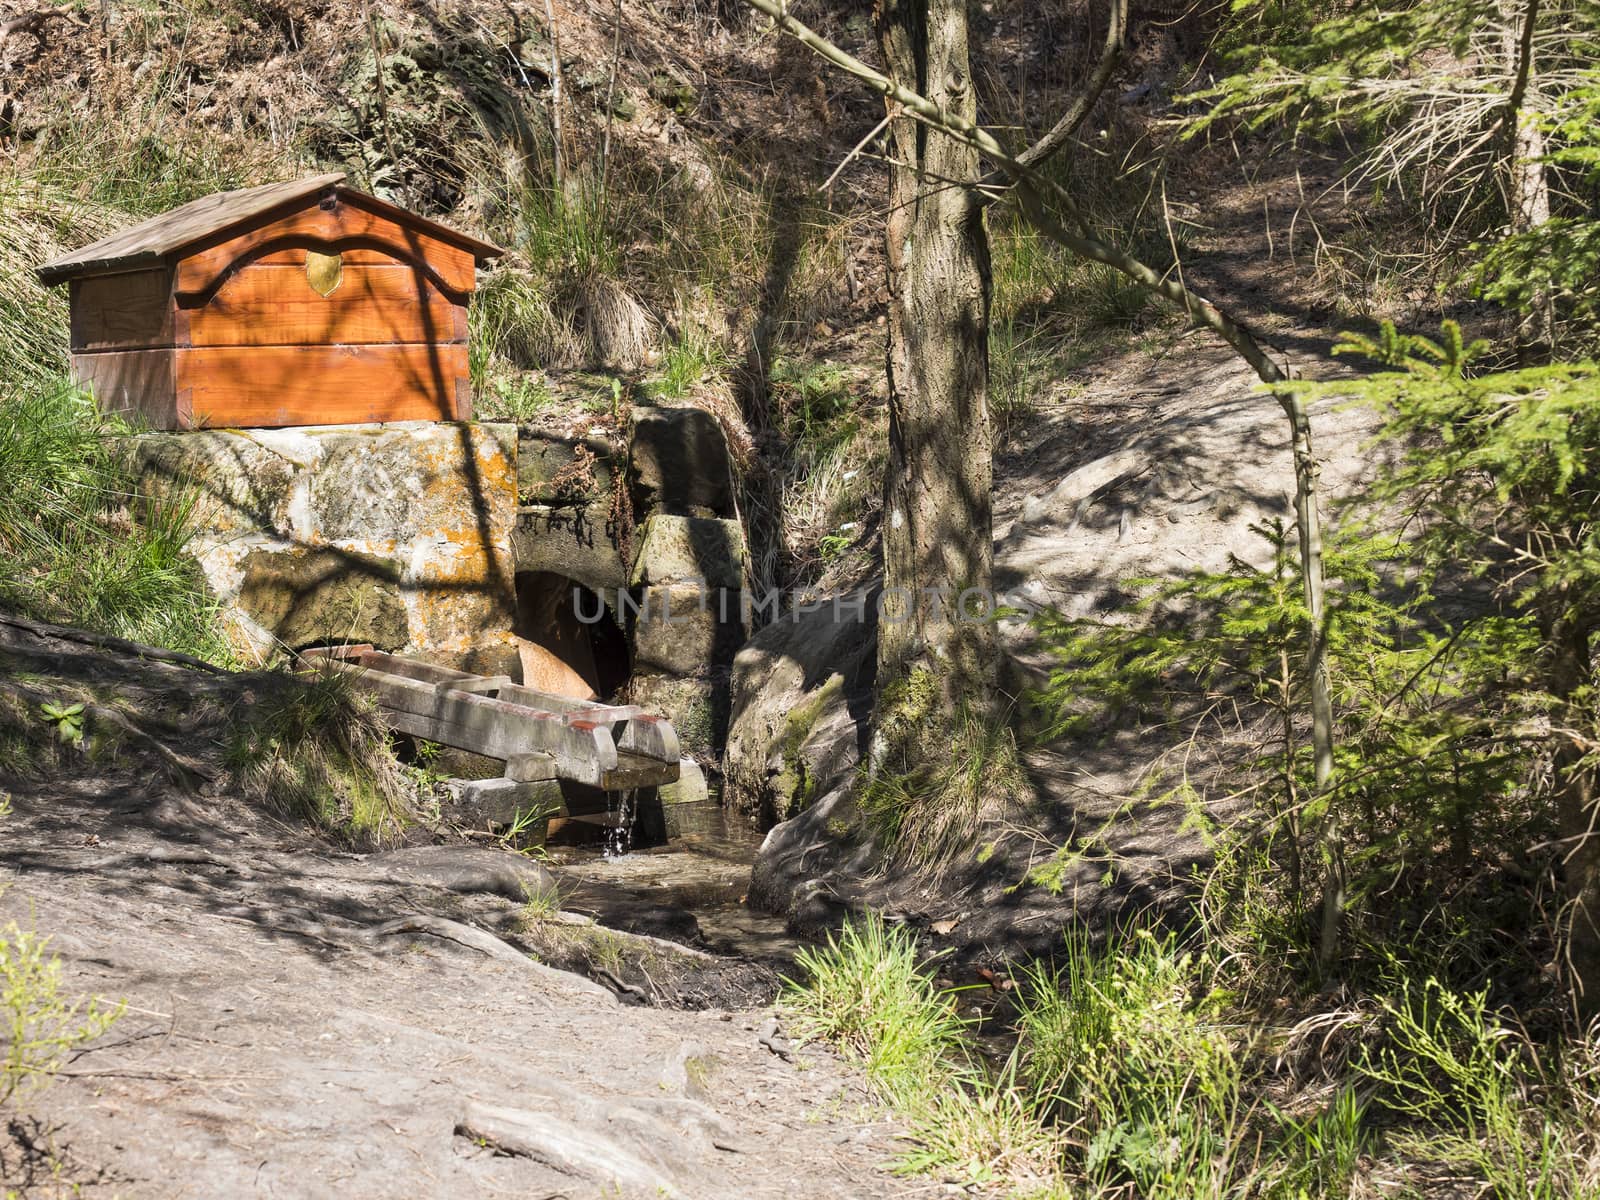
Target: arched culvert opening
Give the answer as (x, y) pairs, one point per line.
(570, 642)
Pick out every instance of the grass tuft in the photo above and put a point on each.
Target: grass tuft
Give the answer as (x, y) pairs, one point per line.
(866, 993)
(77, 545)
(314, 747)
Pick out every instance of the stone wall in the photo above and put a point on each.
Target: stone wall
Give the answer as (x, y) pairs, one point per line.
(667, 555)
(398, 535)
(413, 536)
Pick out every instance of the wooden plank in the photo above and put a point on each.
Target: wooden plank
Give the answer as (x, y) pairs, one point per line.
(139, 384)
(131, 311)
(633, 771)
(492, 727)
(433, 702)
(355, 256)
(150, 240)
(326, 228)
(650, 737)
(269, 386)
(277, 306)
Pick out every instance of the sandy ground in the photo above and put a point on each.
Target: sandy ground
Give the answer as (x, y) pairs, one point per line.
(303, 1021)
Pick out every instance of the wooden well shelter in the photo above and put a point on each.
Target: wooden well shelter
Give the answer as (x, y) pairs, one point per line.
(302, 303)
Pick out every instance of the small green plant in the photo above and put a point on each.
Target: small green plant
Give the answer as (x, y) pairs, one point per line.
(607, 950)
(866, 993)
(525, 832)
(65, 719)
(540, 905)
(1474, 1085)
(692, 358)
(5, 805)
(1318, 1155)
(40, 1025)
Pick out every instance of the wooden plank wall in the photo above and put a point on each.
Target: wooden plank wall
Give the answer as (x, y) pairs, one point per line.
(213, 341)
(269, 386)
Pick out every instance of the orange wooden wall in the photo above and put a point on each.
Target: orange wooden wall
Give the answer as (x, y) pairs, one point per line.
(234, 334)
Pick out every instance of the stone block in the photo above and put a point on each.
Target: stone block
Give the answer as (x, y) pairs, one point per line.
(313, 597)
(563, 470)
(238, 484)
(686, 630)
(683, 549)
(579, 543)
(410, 480)
(691, 786)
(697, 706)
(680, 462)
(481, 802)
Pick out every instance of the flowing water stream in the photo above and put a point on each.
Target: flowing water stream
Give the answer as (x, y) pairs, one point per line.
(698, 879)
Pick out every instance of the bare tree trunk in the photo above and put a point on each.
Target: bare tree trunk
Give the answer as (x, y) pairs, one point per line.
(1528, 188)
(937, 539)
(1577, 812)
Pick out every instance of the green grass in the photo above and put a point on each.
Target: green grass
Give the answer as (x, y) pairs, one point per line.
(866, 993)
(312, 746)
(78, 545)
(1136, 1073)
(925, 798)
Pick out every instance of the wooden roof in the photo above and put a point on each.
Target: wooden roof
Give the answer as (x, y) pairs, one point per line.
(164, 238)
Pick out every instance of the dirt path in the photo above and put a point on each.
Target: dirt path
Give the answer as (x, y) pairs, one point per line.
(306, 1022)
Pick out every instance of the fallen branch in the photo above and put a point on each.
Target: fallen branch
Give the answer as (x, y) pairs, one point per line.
(29, 20)
(106, 641)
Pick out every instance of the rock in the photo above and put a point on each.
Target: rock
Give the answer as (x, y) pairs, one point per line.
(680, 462)
(689, 1071)
(405, 482)
(314, 597)
(466, 869)
(240, 485)
(562, 470)
(500, 801)
(683, 630)
(689, 788)
(686, 549)
(697, 706)
(802, 692)
(579, 543)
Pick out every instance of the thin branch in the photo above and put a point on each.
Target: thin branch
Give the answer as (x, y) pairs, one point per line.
(555, 98)
(1079, 110)
(860, 146)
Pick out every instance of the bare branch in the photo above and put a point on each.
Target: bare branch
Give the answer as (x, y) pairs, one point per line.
(860, 146)
(28, 20)
(1079, 110)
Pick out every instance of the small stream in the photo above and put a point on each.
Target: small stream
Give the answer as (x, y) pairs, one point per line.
(699, 878)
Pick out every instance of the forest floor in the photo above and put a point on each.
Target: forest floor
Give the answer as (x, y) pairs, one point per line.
(302, 1020)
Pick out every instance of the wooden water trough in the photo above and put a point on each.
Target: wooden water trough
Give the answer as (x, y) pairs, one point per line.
(538, 736)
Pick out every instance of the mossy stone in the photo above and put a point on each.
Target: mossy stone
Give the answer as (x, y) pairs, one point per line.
(313, 597)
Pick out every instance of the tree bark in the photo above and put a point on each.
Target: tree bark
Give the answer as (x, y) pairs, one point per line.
(1528, 187)
(937, 539)
(1577, 813)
